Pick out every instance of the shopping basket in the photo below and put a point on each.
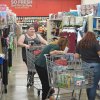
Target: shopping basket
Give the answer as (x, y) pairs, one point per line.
(68, 73)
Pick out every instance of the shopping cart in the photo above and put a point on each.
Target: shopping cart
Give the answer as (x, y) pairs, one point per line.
(67, 73)
(98, 90)
(32, 53)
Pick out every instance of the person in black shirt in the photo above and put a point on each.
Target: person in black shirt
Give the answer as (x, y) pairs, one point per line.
(89, 50)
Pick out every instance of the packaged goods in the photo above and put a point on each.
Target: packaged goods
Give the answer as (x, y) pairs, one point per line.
(62, 62)
(61, 80)
(36, 52)
(79, 80)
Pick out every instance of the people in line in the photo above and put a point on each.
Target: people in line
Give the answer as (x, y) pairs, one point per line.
(41, 67)
(88, 49)
(23, 41)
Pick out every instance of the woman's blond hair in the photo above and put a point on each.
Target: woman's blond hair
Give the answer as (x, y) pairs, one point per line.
(62, 42)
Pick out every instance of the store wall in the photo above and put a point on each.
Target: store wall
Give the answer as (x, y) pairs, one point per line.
(89, 1)
(42, 7)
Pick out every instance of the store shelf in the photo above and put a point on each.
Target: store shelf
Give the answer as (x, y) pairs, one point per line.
(55, 19)
(96, 17)
(95, 29)
(96, 23)
(27, 20)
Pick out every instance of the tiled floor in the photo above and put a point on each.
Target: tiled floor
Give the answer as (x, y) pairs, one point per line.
(17, 89)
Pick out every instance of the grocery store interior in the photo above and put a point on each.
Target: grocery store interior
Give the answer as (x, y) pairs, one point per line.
(51, 19)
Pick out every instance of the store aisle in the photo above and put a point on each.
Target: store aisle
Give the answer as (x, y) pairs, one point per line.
(17, 89)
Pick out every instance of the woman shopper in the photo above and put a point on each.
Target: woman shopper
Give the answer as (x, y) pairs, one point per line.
(89, 50)
(23, 41)
(41, 68)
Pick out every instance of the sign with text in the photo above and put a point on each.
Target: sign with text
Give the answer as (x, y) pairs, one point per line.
(21, 3)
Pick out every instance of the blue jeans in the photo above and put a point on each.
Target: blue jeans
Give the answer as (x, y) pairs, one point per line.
(91, 92)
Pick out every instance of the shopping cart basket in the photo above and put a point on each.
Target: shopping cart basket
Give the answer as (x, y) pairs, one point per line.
(65, 73)
(98, 90)
(32, 53)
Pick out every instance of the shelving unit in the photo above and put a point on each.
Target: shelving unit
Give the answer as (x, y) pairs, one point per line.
(93, 24)
(96, 23)
(26, 20)
(50, 25)
(68, 21)
(66, 27)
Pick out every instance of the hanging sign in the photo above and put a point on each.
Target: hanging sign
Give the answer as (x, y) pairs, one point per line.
(21, 3)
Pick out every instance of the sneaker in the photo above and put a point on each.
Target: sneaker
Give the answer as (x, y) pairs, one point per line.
(52, 91)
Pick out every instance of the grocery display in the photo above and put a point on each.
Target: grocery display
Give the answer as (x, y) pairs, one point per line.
(64, 71)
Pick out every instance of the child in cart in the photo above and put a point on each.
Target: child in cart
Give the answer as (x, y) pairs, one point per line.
(23, 41)
(41, 67)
